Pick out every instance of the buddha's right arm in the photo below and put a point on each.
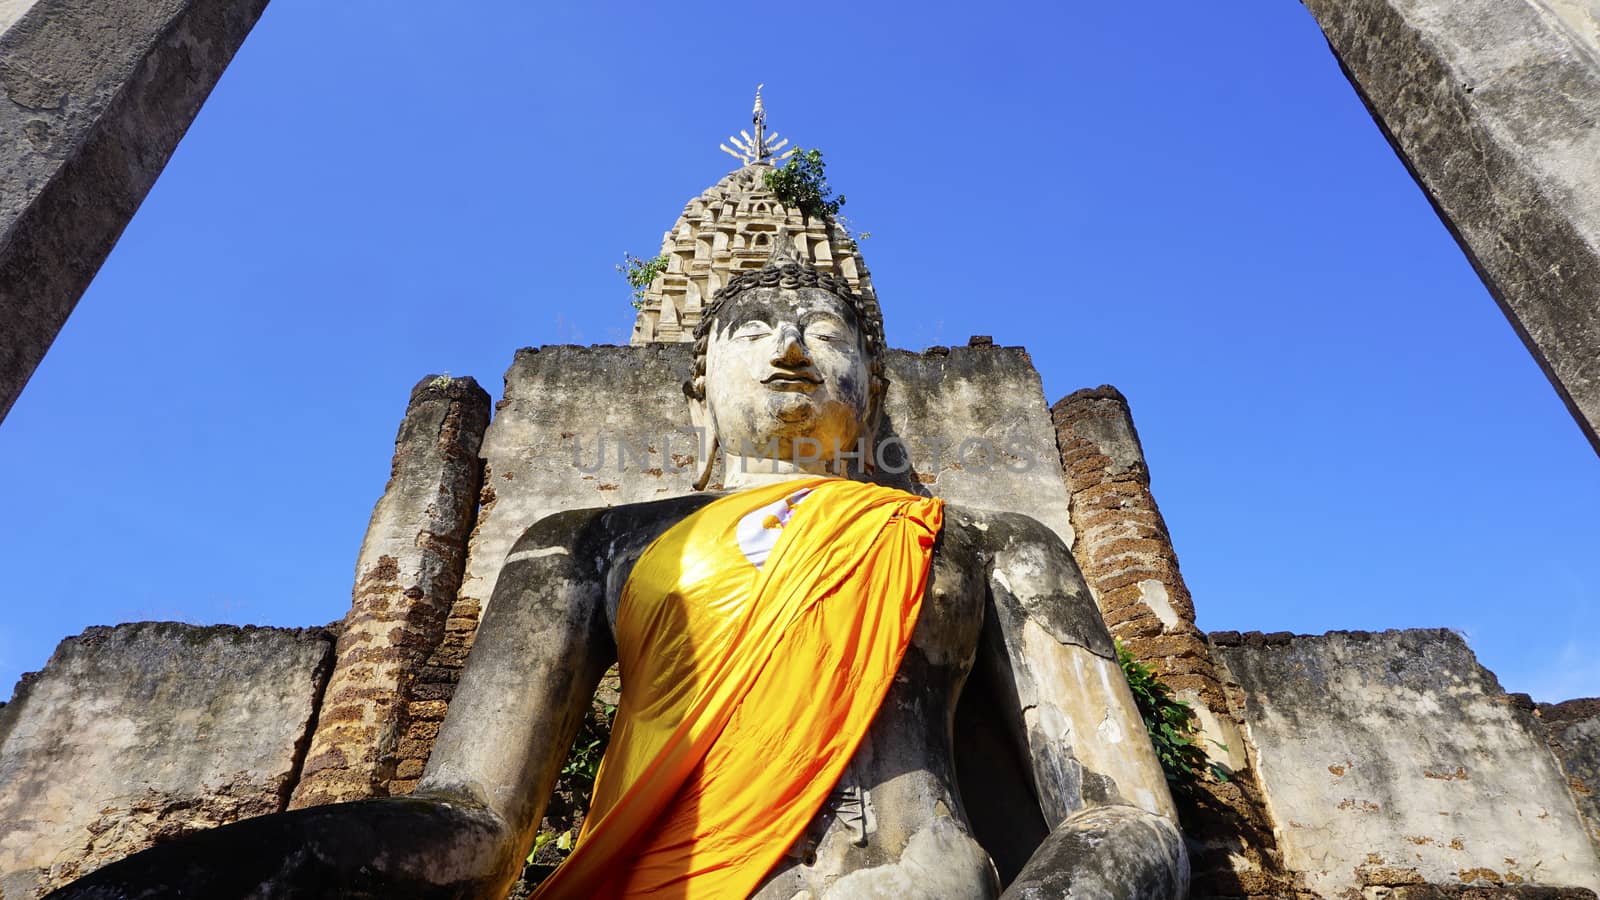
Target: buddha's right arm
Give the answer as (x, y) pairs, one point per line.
(539, 653)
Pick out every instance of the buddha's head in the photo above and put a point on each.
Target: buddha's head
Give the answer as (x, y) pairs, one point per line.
(789, 367)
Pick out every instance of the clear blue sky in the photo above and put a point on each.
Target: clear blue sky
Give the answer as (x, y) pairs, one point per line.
(1188, 202)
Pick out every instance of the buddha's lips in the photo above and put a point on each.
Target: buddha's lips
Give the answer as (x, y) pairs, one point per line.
(788, 377)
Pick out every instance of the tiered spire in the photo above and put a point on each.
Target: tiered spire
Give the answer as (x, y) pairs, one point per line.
(731, 228)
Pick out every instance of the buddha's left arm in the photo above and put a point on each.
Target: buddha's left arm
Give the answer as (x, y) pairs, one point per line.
(1072, 708)
(1067, 703)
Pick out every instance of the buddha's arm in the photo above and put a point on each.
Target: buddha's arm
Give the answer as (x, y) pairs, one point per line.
(538, 655)
(1072, 709)
(1096, 777)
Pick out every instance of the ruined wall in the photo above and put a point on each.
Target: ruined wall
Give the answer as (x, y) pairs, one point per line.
(543, 453)
(407, 575)
(1393, 759)
(1573, 729)
(148, 731)
(978, 432)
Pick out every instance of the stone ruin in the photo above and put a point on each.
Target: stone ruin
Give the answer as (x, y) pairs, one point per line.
(1376, 764)
(1360, 764)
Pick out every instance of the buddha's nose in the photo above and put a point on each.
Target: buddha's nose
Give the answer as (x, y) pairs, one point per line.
(791, 349)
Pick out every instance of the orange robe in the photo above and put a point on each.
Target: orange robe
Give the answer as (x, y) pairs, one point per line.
(756, 639)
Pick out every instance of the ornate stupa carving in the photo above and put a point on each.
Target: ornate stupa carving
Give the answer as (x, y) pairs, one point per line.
(730, 228)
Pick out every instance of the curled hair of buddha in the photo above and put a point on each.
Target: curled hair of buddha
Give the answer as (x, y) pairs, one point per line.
(784, 271)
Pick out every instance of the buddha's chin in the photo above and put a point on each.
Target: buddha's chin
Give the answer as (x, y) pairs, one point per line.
(798, 417)
(792, 410)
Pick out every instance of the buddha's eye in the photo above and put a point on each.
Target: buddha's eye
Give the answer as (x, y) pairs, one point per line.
(830, 330)
(751, 331)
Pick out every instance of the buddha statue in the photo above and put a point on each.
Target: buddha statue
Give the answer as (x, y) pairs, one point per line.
(792, 647)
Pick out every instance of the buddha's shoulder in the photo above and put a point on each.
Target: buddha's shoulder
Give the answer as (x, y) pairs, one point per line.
(607, 525)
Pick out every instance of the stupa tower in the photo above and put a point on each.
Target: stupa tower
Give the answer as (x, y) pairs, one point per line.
(729, 228)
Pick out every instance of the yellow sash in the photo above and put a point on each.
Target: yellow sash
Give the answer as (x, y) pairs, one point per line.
(756, 639)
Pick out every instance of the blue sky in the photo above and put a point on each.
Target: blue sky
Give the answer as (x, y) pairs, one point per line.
(1187, 202)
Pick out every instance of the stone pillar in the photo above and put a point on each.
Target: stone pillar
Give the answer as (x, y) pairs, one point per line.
(100, 92)
(1492, 105)
(1126, 555)
(406, 580)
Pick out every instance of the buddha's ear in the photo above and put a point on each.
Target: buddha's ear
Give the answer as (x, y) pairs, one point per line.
(705, 426)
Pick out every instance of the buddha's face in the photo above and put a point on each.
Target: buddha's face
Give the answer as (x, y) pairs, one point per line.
(784, 365)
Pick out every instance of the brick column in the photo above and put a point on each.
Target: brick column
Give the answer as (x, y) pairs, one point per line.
(432, 687)
(406, 580)
(1122, 545)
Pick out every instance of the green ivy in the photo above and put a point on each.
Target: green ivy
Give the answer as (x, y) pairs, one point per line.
(1171, 725)
(802, 183)
(583, 760)
(639, 273)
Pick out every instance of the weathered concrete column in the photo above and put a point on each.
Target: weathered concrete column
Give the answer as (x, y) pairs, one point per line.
(406, 580)
(1123, 547)
(1492, 105)
(97, 94)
